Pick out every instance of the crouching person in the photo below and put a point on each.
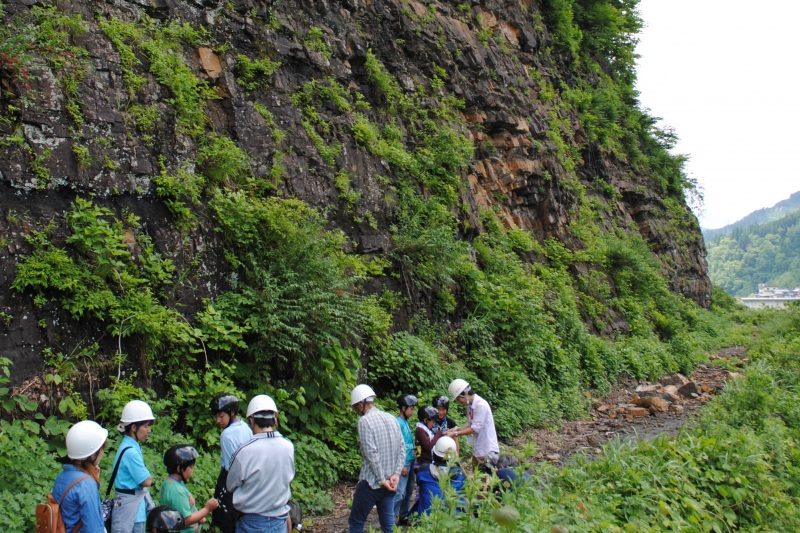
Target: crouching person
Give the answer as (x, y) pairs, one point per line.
(430, 473)
(261, 472)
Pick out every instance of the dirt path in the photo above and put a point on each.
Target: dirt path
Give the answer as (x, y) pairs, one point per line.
(627, 411)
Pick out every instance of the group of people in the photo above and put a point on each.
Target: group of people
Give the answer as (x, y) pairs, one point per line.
(253, 491)
(391, 463)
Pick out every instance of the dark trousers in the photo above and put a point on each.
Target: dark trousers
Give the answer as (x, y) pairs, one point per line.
(364, 499)
(224, 517)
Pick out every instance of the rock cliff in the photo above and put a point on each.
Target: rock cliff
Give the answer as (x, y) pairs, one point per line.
(124, 102)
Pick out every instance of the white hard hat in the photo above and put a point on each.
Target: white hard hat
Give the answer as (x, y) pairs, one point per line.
(445, 447)
(85, 438)
(136, 411)
(457, 386)
(361, 393)
(260, 403)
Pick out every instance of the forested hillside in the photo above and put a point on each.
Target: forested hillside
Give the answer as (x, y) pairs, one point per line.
(745, 256)
(289, 197)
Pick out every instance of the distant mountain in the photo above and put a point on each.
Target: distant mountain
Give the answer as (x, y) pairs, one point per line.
(742, 255)
(768, 214)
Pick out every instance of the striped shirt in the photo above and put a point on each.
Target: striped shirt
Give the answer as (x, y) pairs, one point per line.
(383, 451)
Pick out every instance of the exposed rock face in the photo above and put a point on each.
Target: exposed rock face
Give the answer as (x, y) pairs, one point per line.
(517, 169)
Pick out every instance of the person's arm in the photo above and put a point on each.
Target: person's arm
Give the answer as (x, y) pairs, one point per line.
(234, 479)
(91, 513)
(424, 441)
(137, 468)
(200, 514)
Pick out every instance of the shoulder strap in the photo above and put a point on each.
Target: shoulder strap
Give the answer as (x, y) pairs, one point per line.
(70, 488)
(65, 495)
(114, 473)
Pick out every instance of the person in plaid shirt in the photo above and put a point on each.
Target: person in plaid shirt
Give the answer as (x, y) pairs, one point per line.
(383, 455)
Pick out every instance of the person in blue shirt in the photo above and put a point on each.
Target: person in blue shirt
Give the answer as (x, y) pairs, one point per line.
(429, 475)
(235, 432)
(405, 488)
(77, 486)
(132, 499)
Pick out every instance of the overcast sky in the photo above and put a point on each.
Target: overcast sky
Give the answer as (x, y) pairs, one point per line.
(724, 74)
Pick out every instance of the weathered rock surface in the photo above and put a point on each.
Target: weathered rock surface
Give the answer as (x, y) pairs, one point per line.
(516, 170)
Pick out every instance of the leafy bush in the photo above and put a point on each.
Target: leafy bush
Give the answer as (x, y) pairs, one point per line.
(407, 364)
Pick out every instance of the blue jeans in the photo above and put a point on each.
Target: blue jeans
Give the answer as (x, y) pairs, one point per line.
(364, 499)
(405, 489)
(255, 523)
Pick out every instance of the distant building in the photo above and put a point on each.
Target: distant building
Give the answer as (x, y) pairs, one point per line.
(771, 297)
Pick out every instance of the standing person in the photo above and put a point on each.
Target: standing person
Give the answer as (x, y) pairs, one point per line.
(383, 454)
(426, 437)
(235, 432)
(77, 485)
(133, 478)
(261, 472)
(180, 460)
(481, 421)
(405, 487)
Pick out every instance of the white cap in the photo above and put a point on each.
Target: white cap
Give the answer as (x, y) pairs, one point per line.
(457, 386)
(260, 403)
(85, 438)
(361, 393)
(136, 411)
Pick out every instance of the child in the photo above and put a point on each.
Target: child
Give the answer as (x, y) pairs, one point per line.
(426, 437)
(430, 473)
(133, 478)
(405, 488)
(179, 461)
(235, 432)
(443, 422)
(164, 518)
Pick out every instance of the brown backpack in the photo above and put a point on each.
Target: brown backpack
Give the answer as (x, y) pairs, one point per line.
(48, 515)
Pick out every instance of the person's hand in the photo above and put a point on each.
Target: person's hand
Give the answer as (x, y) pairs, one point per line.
(404, 473)
(212, 504)
(392, 482)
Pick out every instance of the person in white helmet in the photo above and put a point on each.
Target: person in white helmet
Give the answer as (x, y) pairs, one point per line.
(443, 466)
(133, 479)
(481, 422)
(261, 472)
(383, 454)
(77, 485)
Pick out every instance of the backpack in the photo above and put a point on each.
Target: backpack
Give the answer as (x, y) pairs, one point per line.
(48, 514)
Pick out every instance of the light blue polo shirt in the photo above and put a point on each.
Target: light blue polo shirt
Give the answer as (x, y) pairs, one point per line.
(132, 472)
(231, 439)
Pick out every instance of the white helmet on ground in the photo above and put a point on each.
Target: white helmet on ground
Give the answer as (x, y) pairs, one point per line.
(136, 411)
(261, 403)
(361, 393)
(457, 386)
(445, 447)
(84, 439)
